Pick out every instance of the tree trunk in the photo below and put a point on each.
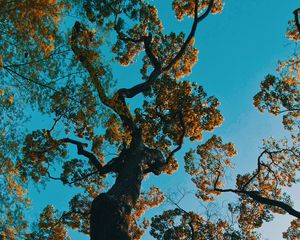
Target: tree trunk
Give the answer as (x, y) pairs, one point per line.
(110, 211)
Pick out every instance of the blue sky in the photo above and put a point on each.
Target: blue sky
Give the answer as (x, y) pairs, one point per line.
(236, 50)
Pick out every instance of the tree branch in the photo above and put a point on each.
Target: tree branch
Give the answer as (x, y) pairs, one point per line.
(271, 202)
(190, 222)
(28, 79)
(145, 39)
(65, 181)
(112, 166)
(117, 102)
(255, 196)
(147, 43)
(192, 33)
(257, 171)
(54, 53)
(81, 151)
(296, 15)
(289, 110)
(77, 28)
(207, 11)
(139, 88)
(260, 199)
(181, 139)
(11, 71)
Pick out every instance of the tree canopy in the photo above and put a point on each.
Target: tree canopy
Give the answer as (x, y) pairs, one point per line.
(60, 67)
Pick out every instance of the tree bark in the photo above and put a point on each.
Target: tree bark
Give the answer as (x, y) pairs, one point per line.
(110, 211)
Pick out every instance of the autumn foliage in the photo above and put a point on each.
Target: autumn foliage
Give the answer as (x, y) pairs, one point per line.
(60, 67)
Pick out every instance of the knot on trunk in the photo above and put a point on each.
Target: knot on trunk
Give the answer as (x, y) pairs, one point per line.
(154, 161)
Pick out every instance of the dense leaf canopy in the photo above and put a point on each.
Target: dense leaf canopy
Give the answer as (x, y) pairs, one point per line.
(61, 68)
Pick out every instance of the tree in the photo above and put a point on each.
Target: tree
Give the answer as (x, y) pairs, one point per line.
(260, 193)
(28, 38)
(69, 79)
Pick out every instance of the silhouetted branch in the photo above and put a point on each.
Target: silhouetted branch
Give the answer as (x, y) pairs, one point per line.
(81, 151)
(257, 171)
(56, 120)
(142, 87)
(65, 181)
(260, 199)
(192, 33)
(147, 42)
(12, 71)
(207, 11)
(181, 139)
(296, 14)
(289, 110)
(54, 53)
(28, 79)
(190, 222)
(139, 88)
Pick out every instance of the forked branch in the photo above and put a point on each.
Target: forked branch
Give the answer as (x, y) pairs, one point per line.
(255, 195)
(117, 102)
(112, 166)
(263, 200)
(81, 151)
(197, 20)
(139, 88)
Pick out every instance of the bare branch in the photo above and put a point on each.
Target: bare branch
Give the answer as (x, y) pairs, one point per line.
(65, 181)
(34, 61)
(28, 79)
(257, 171)
(190, 223)
(56, 120)
(11, 71)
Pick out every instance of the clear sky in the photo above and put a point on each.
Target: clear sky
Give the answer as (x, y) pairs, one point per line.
(237, 49)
